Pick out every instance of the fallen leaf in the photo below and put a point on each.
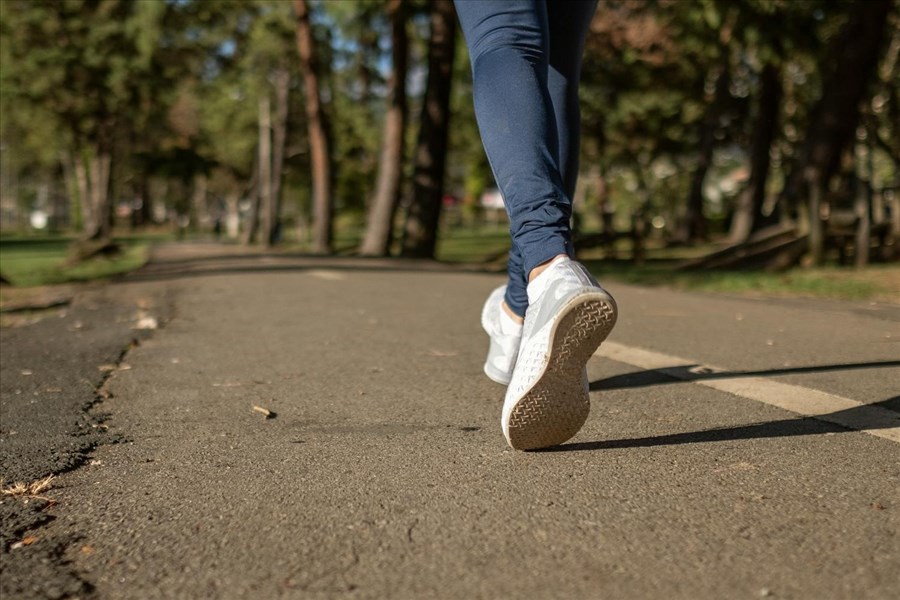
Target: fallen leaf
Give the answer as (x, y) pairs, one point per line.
(146, 323)
(26, 372)
(87, 550)
(265, 411)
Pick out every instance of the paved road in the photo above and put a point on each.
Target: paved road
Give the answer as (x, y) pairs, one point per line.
(384, 474)
(50, 376)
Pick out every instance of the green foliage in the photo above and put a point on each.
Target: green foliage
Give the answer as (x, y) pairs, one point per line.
(43, 261)
(172, 88)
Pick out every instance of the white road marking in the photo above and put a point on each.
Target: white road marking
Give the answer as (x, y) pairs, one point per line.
(873, 420)
(326, 275)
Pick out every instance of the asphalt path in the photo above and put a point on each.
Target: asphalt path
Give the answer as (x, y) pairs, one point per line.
(52, 375)
(380, 470)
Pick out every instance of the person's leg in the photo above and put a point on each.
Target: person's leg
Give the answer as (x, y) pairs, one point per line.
(568, 24)
(568, 313)
(516, 297)
(509, 52)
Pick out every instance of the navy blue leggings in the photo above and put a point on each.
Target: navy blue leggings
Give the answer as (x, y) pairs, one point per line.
(526, 61)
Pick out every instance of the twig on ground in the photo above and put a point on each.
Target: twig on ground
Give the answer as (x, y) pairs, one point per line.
(30, 490)
(265, 411)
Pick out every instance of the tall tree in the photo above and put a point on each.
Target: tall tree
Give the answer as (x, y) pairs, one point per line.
(282, 84)
(87, 78)
(380, 224)
(318, 139)
(421, 228)
(693, 224)
(264, 163)
(835, 116)
(718, 25)
(748, 213)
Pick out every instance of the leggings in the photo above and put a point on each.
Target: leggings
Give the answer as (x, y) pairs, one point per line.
(526, 61)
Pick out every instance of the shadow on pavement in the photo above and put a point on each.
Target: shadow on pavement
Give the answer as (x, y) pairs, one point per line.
(688, 373)
(790, 427)
(170, 268)
(771, 429)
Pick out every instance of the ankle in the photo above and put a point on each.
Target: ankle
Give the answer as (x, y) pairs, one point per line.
(542, 267)
(508, 311)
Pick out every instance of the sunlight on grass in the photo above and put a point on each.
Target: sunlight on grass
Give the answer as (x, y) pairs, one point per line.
(880, 282)
(42, 261)
(472, 246)
(876, 282)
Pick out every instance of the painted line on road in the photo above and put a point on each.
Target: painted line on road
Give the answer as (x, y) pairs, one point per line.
(823, 406)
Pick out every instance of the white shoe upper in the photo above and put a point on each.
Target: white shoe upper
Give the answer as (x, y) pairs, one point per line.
(505, 338)
(560, 284)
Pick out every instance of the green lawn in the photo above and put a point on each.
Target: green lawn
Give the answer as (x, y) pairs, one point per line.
(31, 261)
(473, 246)
(881, 282)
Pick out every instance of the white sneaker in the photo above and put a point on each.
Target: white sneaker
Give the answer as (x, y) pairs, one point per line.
(568, 316)
(505, 336)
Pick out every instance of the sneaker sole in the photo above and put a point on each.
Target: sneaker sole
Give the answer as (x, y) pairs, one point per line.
(501, 377)
(557, 405)
(487, 308)
(496, 375)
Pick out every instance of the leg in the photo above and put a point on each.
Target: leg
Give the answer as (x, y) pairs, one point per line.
(516, 297)
(568, 26)
(527, 138)
(509, 50)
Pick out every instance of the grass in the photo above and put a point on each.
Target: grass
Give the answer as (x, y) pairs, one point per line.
(879, 282)
(28, 490)
(33, 261)
(472, 245)
(876, 282)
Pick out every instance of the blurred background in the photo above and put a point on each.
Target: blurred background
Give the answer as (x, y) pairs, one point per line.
(741, 134)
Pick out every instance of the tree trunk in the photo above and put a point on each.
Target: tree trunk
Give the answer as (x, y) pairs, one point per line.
(379, 226)
(279, 138)
(73, 190)
(318, 140)
(421, 228)
(816, 226)
(264, 164)
(861, 204)
(607, 211)
(232, 214)
(82, 185)
(693, 225)
(252, 221)
(748, 215)
(98, 185)
(835, 116)
(199, 204)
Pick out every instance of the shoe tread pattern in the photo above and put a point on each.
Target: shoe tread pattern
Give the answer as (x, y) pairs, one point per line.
(557, 405)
